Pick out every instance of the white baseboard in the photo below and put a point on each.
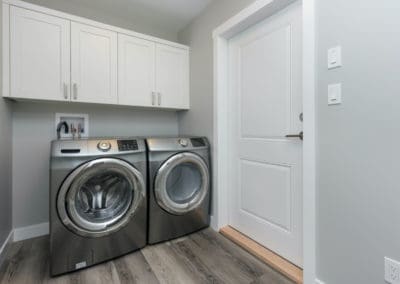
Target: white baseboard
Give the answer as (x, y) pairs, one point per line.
(317, 281)
(6, 242)
(214, 223)
(29, 232)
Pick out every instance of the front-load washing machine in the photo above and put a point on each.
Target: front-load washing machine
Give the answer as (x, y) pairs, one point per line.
(179, 187)
(98, 204)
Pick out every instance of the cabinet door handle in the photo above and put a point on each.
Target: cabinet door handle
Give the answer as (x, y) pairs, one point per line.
(153, 98)
(75, 87)
(159, 99)
(65, 90)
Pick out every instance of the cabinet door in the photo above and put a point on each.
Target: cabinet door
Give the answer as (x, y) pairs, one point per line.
(93, 64)
(172, 77)
(136, 74)
(39, 56)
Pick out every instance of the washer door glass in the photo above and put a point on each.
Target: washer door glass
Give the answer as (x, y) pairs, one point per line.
(100, 197)
(182, 183)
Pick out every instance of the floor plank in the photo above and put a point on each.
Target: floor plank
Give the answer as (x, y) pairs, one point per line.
(254, 264)
(269, 257)
(134, 268)
(198, 268)
(166, 265)
(203, 257)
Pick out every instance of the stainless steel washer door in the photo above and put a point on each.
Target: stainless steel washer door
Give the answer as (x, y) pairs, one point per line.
(100, 197)
(182, 183)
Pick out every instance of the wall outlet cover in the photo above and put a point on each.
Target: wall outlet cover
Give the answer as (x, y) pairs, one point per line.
(392, 271)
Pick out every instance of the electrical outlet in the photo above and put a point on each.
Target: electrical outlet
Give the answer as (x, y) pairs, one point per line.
(392, 271)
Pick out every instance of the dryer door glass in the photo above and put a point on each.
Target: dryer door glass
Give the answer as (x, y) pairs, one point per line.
(182, 183)
(101, 197)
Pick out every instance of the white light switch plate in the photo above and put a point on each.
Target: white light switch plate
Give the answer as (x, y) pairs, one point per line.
(334, 94)
(334, 57)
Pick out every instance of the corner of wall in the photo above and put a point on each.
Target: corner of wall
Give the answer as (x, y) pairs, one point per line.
(5, 164)
(4, 246)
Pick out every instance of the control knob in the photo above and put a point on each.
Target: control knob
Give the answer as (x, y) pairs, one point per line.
(104, 146)
(183, 142)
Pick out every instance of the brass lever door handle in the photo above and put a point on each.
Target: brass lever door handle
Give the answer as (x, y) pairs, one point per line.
(300, 135)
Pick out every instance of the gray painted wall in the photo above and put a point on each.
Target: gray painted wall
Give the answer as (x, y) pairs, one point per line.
(5, 169)
(5, 161)
(359, 149)
(93, 12)
(33, 129)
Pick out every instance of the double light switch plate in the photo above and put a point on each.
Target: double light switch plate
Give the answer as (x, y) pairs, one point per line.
(334, 61)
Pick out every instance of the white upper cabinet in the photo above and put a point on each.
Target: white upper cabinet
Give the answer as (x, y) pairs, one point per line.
(39, 57)
(93, 64)
(172, 77)
(54, 56)
(136, 71)
(152, 74)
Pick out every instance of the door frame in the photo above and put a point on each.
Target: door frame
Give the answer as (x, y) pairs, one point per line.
(256, 12)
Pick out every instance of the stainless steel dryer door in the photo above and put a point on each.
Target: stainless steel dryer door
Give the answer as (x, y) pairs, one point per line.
(182, 183)
(100, 197)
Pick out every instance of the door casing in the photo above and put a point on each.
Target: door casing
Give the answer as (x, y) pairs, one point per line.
(251, 15)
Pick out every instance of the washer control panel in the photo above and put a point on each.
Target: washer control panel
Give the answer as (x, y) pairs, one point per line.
(101, 146)
(127, 145)
(104, 146)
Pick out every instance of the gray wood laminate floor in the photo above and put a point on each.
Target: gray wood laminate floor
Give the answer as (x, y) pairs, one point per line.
(203, 257)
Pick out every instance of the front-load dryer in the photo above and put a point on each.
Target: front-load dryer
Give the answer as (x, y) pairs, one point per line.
(179, 187)
(98, 204)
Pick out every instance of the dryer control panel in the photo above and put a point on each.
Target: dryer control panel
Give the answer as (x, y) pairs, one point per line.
(177, 144)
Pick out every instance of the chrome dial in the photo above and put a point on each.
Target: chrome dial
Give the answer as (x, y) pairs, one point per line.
(104, 146)
(183, 142)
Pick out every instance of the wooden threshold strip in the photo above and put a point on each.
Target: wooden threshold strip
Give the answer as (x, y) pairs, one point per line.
(277, 262)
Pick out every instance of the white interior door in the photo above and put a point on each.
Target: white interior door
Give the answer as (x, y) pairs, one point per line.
(94, 64)
(39, 55)
(172, 76)
(136, 71)
(266, 103)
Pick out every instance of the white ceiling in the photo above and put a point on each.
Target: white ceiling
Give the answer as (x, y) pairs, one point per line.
(172, 15)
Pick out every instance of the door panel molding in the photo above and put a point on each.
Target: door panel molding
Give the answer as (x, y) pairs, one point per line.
(266, 205)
